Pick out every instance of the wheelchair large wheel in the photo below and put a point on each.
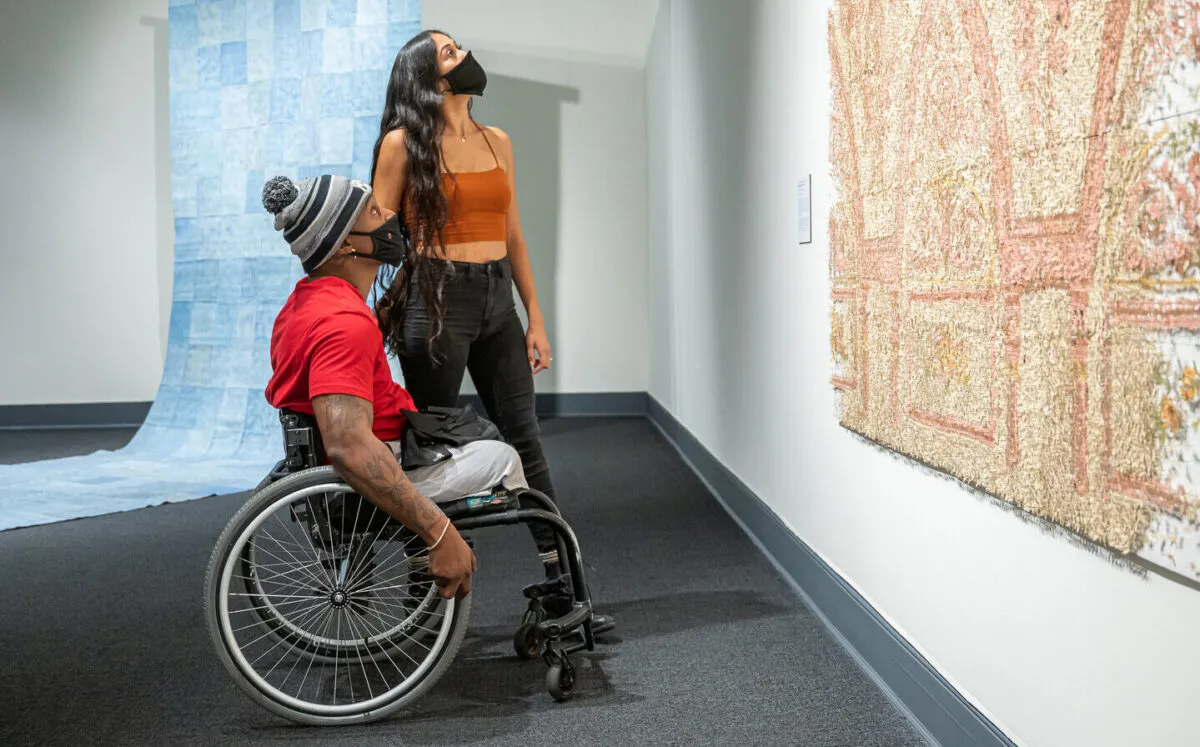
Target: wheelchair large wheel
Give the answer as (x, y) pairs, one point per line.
(324, 621)
(397, 621)
(378, 562)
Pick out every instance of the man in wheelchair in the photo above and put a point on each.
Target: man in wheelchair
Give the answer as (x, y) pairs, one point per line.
(328, 360)
(354, 605)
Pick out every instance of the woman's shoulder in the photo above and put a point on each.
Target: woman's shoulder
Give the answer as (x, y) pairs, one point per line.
(395, 138)
(496, 132)
(502, 141)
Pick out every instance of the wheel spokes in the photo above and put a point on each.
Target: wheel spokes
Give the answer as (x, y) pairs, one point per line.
(330, 620)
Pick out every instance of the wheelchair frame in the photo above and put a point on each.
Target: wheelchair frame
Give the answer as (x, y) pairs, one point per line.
(539, 635)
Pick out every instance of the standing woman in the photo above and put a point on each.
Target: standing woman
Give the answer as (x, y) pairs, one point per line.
(450, 308)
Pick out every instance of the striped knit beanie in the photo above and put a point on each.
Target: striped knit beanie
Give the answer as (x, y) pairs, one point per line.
(315, 215)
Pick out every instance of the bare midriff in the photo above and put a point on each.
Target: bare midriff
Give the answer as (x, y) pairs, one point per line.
(477, 251)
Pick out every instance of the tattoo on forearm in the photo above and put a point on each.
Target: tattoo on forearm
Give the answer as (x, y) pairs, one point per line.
(387, 481)
(374, 471)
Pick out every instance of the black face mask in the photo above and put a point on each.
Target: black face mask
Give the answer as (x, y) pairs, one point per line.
(388, 243)
(467, 78)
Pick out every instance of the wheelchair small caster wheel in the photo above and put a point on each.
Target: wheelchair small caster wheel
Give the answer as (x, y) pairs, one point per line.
(560, 679)
(527, 641)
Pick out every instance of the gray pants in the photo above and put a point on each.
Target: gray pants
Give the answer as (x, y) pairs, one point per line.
(476, 468)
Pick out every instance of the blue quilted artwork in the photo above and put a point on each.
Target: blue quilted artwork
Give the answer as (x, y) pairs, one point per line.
(258, 88)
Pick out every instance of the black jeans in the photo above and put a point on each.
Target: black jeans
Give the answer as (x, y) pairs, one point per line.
(481, 333)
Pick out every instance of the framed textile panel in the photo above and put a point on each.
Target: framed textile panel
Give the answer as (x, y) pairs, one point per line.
(1015, 254)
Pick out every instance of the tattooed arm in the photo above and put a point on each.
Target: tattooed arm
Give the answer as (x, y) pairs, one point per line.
(370, 468)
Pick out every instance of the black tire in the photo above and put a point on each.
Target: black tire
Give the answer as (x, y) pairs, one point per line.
(221, 566)
(560, 680)
(527, 641)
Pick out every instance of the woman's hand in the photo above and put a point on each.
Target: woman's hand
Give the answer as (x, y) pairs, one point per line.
(537, 346)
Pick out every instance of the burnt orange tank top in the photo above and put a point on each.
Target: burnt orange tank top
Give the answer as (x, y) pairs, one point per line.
(477, 204)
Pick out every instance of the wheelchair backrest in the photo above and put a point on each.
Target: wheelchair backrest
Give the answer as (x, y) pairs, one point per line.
(301, 441)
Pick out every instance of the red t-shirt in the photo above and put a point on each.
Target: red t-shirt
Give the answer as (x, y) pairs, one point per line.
(326, 341)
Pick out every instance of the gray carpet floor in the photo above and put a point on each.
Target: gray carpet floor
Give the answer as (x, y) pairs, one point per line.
(17, 446)
(104, 642)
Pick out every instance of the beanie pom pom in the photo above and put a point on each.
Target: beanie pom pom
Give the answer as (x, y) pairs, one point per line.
(278, 193)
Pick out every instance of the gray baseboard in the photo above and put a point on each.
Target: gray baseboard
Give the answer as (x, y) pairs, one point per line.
(132, 414)
(83, 415)
(587, 404)
(933, 704)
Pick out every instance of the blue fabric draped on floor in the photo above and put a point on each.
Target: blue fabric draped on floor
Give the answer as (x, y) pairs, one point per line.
(258, 88)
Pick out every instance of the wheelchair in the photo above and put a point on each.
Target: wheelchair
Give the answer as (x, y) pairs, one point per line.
(321, 608)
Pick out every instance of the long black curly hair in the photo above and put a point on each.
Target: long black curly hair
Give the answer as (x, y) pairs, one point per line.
(414, 103)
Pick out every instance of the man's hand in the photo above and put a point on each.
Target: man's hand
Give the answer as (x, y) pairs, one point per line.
(451, 564)
(371, 469)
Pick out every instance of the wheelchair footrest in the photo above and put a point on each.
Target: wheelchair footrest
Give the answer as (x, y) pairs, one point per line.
(556, 627)
(553, 587)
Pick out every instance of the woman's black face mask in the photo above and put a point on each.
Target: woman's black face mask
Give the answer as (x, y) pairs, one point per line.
(388, 242)
(467, 77)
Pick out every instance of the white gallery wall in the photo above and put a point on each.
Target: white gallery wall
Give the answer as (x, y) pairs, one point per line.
(1059, 647)
(88, 245)
(85, 202)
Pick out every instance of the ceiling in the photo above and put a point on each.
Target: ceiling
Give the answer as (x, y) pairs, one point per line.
(616, 31)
